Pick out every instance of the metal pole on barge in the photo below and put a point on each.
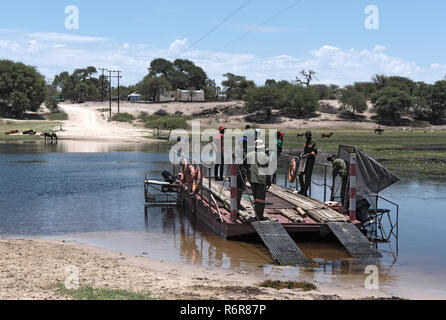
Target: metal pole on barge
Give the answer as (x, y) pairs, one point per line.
(234, 209)
(352, 206)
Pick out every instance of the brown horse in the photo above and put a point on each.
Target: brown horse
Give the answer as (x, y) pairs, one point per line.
(327, 135)
(300, 135)
(51, 136)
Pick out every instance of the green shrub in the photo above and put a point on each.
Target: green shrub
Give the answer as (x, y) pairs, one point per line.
(58, 116)
(419, 124)
(165, 122)
(123, 117)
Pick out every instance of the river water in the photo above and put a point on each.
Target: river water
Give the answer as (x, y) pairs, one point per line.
(92, 192)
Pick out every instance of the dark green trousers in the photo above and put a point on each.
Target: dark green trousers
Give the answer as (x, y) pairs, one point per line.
(259, 193)
(305, 177)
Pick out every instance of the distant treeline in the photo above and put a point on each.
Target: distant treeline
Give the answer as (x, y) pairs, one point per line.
(23, 88)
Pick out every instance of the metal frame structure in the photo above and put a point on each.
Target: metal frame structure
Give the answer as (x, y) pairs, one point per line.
(383, 224)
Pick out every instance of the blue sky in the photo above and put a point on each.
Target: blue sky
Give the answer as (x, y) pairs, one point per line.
(327, 36)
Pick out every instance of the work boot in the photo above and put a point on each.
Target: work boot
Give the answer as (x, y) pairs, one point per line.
(260, 208)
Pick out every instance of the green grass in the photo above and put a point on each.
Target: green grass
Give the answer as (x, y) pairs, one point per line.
(59, 116)
(279, 285)
(38, 126)
(123, 117)
(407, 154)
(404, 153)
(89, 293)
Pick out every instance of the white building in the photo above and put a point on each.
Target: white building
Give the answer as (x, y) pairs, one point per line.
(134, 97)
(181, 96)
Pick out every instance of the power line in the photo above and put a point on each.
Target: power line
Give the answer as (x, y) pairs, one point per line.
(262, 24)
(215, 28)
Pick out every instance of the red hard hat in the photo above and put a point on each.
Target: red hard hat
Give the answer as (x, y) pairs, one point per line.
(222, 128)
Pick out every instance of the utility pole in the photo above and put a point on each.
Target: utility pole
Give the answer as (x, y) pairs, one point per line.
(102, 83)
(110, 95)
(119, 95)
(110, 91)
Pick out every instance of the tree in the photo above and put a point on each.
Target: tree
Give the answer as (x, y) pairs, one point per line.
(236, 86)
(353, 101)
(51, 101)
(296, 100)
(89, 89)
(308, 76)
(380, 81)
(270, 82)
(153, 87)
(437, 100)
(391, 102)
(365, 88)
(211, 90)
(81, 92)
(18, 102)
(401, 83)
(322, 91)
(160, 67)
(21, 88)
(262, 99)
(181, 73)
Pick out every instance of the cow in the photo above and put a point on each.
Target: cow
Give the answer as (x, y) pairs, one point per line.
(29, 132)
(12, 132)
(300, 135)
(327, 135)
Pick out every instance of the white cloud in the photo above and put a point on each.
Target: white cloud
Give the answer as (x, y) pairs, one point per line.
(53, 53)
(177, 47)
(64, 37)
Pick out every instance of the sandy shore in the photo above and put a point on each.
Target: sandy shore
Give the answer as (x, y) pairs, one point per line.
(31, 269)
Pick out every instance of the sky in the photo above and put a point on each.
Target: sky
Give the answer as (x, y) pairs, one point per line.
(337, 39)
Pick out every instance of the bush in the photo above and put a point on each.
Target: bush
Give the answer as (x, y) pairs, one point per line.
(328, 108)
(161, 112)
(58, 116)
(165, 122)
(299, 101)
(123, 117)
(391, 102)
(419, 124)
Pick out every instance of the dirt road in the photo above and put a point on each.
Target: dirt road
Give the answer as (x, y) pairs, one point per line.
(89, 124)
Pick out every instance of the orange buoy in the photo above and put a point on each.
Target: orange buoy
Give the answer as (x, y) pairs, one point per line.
(191, 174)
(196, 186)
(292, 173)
(198, 175)
(184, 166)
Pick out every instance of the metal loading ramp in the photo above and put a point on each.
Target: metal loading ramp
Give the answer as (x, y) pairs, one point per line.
(283, 249)
(354, 241)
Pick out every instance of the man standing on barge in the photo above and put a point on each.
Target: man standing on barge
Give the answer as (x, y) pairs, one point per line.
(257, 168)
(308, 158)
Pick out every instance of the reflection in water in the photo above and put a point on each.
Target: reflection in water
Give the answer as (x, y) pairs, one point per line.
(97, 197)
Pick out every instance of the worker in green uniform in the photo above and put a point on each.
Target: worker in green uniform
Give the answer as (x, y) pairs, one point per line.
(280, 137)
(339, 169)
(257, 169)
(308, 158)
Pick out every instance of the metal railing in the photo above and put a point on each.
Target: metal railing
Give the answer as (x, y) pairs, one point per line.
(298, 159)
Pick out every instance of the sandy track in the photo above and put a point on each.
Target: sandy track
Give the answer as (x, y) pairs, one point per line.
(31, 269)
(88, 124)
